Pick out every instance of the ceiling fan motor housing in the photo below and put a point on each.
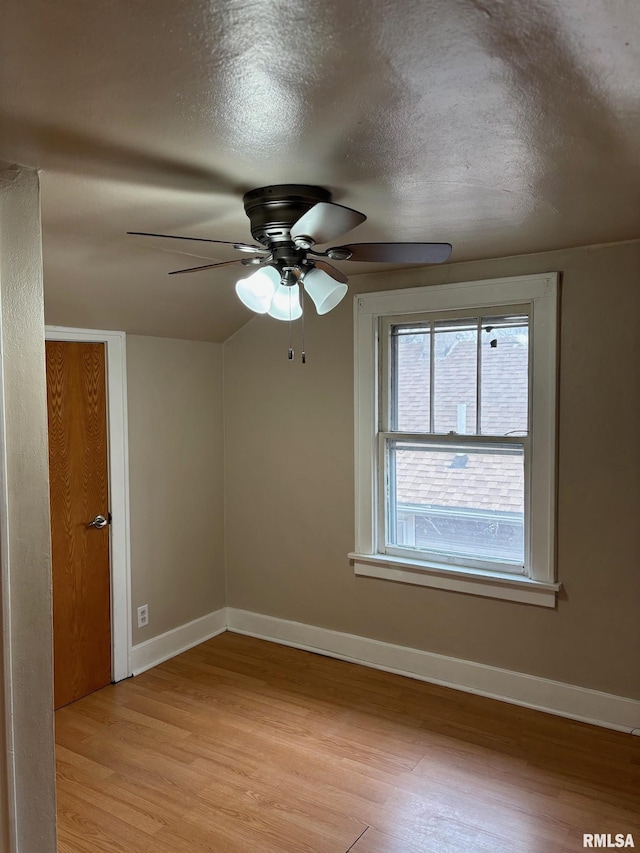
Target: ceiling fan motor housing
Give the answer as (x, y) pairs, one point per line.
(273, 211)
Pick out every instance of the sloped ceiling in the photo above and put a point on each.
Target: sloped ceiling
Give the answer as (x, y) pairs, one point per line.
(502, 127)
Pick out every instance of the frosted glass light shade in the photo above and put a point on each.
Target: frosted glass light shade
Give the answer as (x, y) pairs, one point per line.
(325, 291)
(285, 304)
(256, 291)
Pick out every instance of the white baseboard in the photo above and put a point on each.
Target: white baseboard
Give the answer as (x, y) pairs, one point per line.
(159, 649)
(554, 697)
(530, 691)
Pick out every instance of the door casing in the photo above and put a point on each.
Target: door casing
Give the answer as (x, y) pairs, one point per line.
(118, 443)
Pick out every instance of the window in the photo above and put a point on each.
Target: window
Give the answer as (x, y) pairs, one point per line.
(455, 437)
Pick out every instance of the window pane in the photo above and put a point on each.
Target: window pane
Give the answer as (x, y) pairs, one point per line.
(455, 376)
(504, 360)
(412, 350)
(466, 501)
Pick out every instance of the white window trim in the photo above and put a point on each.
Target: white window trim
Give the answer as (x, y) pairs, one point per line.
(541, 293)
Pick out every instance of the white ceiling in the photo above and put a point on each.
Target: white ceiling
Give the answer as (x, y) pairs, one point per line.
(502, 127)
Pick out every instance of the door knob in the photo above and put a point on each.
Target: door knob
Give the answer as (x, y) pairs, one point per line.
(99, 522)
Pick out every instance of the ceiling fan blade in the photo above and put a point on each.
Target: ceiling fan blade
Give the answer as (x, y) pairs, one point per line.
(394, 253)
(209, 266)
(331, 270)
(326, 221)
(241, 247)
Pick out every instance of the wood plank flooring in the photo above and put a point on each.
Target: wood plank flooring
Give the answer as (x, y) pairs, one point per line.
(244, 746)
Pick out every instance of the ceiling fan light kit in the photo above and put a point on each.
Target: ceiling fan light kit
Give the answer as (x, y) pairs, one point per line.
(256, 291)
(288, 222)
(325, 292)
(285, 304)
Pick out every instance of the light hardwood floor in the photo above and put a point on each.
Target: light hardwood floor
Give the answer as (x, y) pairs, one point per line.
(243, 745)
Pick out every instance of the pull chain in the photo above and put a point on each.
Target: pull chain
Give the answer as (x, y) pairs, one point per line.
(290, 332)
(304, 355)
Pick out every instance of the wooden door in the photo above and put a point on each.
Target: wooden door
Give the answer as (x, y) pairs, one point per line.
(76, 397)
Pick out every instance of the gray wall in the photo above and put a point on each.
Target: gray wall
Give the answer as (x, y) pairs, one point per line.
(176, 445)
(289, 485)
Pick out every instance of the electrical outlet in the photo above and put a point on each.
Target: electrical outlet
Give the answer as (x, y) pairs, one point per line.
(143, 616)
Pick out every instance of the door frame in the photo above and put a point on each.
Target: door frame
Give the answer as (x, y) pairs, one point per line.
(118, 452)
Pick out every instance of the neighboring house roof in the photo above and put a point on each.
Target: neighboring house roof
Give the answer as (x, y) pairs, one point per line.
(472, 480)
(486, 482)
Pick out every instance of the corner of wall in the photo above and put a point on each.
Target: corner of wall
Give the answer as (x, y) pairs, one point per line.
(28, 812)
(224, 474)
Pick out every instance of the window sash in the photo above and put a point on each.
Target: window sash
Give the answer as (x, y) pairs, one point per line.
(386, 488)
(387, 374)
(387, 417)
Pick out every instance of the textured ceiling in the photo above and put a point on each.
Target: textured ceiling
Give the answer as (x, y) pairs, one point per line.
(502, 127)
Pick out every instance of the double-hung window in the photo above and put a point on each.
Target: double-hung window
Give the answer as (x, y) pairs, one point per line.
(455, 437)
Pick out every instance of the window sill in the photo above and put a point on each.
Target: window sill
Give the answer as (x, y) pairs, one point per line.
(470, 581)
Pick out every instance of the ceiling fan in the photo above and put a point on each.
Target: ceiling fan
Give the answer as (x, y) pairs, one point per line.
(289, 221)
